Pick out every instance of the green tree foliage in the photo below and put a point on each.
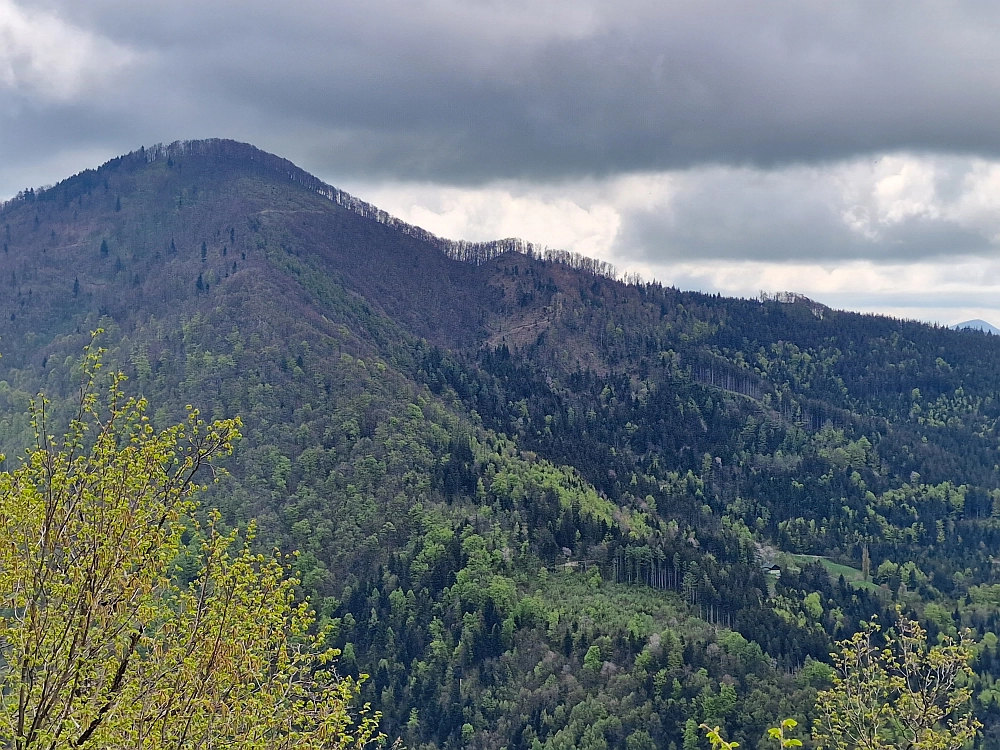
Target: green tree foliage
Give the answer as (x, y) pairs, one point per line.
(779, 734)
(903, 693)
(102, 647)
(899, 694)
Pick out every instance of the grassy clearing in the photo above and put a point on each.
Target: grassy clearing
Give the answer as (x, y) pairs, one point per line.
(851, 575)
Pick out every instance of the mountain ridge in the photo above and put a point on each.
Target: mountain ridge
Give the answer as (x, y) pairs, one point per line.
(223, 149)
(527, 497)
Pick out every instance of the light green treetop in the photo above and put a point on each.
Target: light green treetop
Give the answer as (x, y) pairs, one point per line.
(101, 647)
(905, 694)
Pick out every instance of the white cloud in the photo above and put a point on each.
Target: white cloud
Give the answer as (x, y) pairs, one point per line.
(40, 54)
(553, 216)
(904, 188)
(939, 292)
(979, 202)
(893, 208)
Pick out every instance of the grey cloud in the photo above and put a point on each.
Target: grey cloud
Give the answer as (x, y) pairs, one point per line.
(926, 299)
(754, 107)
(472, 91)
(911, 208)
(704, 227)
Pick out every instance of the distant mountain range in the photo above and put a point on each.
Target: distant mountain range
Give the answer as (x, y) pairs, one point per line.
(977, 325)
(528, 497)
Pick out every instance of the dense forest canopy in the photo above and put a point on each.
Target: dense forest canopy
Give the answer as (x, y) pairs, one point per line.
(538, 504)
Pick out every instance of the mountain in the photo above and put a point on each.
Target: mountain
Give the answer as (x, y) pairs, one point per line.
(977, 325)
(535, 502)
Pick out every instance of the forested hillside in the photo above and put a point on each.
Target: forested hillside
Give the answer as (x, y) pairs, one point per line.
(538, 503)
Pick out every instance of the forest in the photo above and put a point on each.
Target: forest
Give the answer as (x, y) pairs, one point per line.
(538, 504)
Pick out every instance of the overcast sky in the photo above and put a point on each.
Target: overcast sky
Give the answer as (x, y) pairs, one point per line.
(849, 151)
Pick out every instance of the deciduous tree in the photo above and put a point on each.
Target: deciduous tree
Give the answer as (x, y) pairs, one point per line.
(101, 647)
(902, 693)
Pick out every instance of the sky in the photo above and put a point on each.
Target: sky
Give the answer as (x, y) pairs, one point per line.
(848, 151)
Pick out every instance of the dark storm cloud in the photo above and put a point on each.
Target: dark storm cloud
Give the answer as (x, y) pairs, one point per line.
(763, 117)
(471, 91)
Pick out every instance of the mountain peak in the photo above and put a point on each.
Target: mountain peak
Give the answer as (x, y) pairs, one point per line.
(222, 154)
(976, 325)
(217, 151)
